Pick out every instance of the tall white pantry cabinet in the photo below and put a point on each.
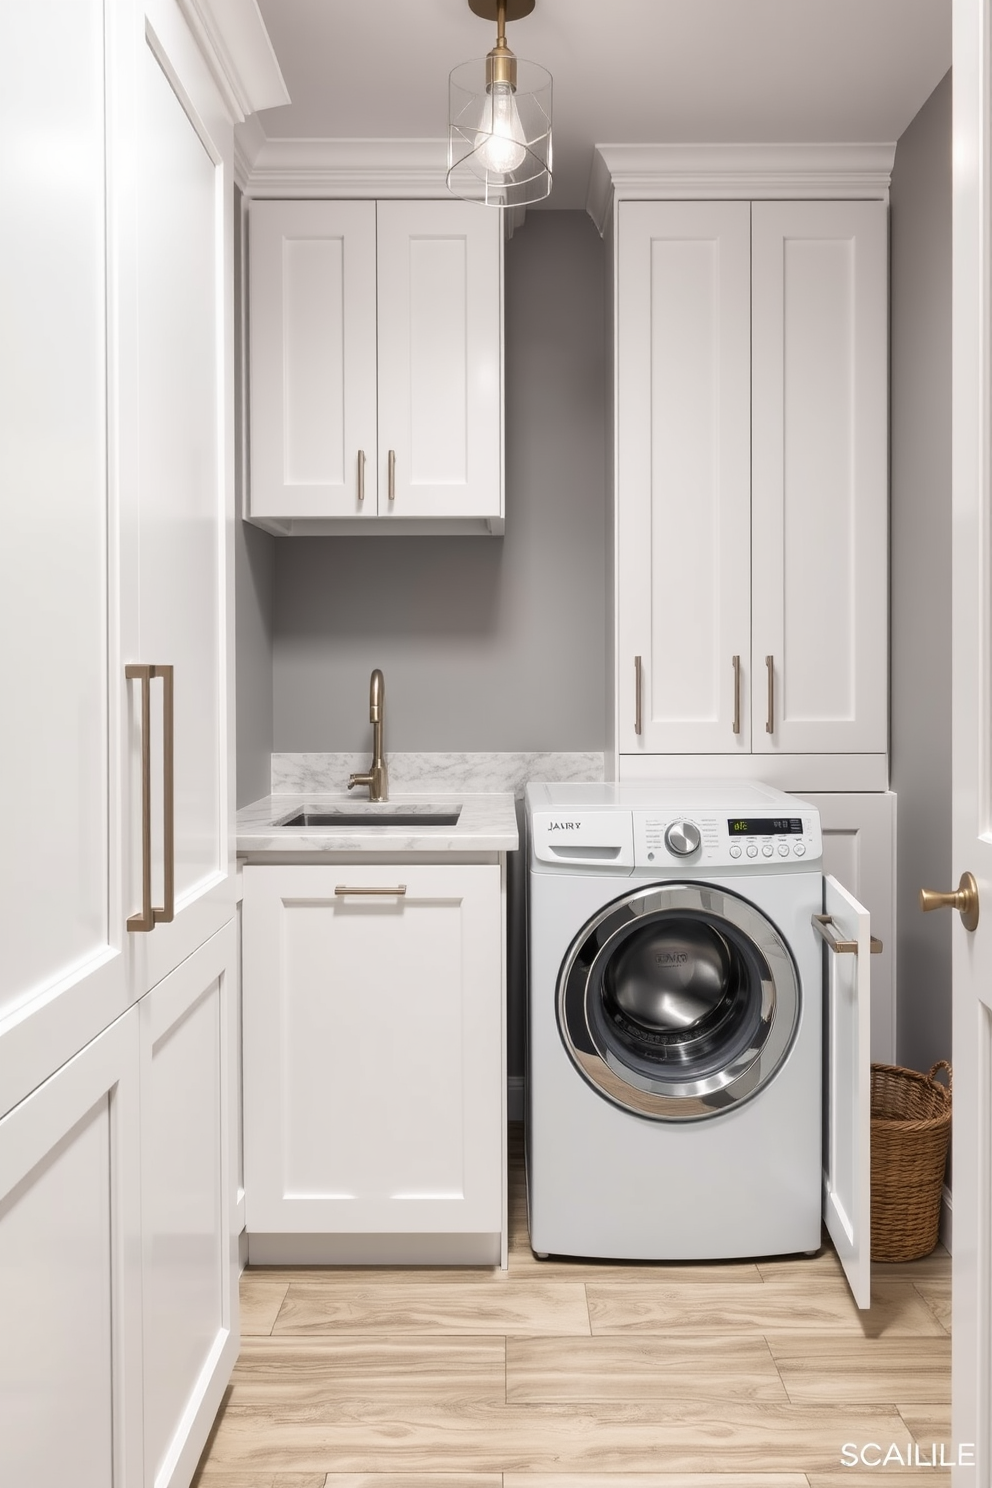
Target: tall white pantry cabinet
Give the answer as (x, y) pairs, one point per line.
(750, 312)
(118, 1245)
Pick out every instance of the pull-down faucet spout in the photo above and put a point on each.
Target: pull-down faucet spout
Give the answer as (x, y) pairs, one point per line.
(376, 778)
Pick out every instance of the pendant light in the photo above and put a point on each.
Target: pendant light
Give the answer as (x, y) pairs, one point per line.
(499, 120)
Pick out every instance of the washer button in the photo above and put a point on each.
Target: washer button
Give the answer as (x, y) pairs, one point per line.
(766, 849)
(799, 850)
(752, 851)
(783, 849)
(735, 851)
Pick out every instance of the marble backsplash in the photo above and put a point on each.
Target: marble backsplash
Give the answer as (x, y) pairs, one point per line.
(323, 774)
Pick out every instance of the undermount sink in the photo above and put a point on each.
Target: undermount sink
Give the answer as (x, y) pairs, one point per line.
(371, 818)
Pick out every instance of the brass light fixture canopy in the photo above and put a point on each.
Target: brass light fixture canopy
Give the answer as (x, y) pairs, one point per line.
(499, 120)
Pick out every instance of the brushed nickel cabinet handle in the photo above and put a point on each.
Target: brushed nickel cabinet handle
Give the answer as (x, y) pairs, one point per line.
(340, 889)
(737, 694)
(637, 695)
(150, 916)
(770, 721)
(361, 475)
(824, 927)
(392, 475)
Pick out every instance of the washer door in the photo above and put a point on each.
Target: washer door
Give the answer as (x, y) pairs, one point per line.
(678, 1002)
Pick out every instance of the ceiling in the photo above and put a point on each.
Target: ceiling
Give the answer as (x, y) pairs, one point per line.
(625, 71)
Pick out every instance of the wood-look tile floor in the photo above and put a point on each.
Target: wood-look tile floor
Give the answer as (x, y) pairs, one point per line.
(584, 1374)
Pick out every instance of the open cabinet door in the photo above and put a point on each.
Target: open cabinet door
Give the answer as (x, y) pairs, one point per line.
(845, 931)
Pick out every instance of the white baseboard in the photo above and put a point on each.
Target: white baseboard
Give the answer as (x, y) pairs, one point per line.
(947, 1220)
(514, 1097)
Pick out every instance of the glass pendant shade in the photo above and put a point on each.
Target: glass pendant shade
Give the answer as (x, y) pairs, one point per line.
(499, 134)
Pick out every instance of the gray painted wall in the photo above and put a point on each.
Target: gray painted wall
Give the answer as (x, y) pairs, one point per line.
(921, 573)
(485, 643)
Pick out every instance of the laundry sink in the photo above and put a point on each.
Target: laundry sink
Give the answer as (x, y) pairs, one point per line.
(371, 818)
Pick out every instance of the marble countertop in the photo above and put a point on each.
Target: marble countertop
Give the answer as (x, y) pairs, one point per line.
(487, 822)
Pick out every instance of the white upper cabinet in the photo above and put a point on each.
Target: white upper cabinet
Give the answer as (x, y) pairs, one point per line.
(683, 410)
(751, 479)
(375, 366)
(819, 396)
(313, 359)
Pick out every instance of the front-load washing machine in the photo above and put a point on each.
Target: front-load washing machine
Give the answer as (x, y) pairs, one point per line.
(673, 1092)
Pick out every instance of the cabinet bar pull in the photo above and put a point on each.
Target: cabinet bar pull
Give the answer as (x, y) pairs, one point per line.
(770, 721)
(361, 475)
(146, 919)
(167, 913)
(824, 927)
(737, 694)
(366, 889)
(149, 916)
(392, 475)
(637, 694)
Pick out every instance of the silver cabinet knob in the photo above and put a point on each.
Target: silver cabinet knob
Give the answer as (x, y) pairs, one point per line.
(682, 838)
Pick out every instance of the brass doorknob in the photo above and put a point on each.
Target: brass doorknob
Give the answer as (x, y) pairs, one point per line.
(964, 899)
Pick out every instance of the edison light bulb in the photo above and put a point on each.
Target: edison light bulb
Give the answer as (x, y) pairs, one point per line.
(505, 149)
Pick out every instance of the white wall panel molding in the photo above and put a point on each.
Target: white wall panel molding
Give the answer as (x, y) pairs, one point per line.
(360, 168)
(736, 171)
(232, 36)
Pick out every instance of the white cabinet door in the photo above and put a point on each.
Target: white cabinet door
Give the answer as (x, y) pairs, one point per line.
(373, 1036)
(819, 478)
(440, 372)
(62, 974)
(182, 539)
(859, 849)
(847, 1077)
(189, 1244)
(683, 467)
(312, 325)
(70, 1278)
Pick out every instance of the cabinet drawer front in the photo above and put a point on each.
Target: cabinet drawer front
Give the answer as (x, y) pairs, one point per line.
(373, 1036)
(313, 376)
(683, 455)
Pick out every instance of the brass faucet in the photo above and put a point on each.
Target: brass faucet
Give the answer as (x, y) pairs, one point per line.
(376, 779)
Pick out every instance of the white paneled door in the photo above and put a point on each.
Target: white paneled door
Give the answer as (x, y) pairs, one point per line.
(972, 750)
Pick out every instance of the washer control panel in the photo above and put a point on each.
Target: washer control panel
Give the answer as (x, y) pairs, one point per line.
(716, 840)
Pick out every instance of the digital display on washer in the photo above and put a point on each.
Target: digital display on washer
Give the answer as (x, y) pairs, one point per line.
(766, 826)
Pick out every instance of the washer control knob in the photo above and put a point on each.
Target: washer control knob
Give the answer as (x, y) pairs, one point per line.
(682, 838)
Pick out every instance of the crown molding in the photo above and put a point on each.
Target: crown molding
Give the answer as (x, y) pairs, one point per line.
(741, 171)
(340, 167)
(232, 36)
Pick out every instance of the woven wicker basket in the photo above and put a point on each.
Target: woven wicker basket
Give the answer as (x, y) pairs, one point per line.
(910, 1128)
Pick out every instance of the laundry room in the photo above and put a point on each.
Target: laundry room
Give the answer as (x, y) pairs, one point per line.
(511, 730)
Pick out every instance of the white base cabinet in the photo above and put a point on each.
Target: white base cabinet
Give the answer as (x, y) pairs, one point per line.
(70, 1273)
(374, 1063)
(118, 1249)
(189, 1237)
